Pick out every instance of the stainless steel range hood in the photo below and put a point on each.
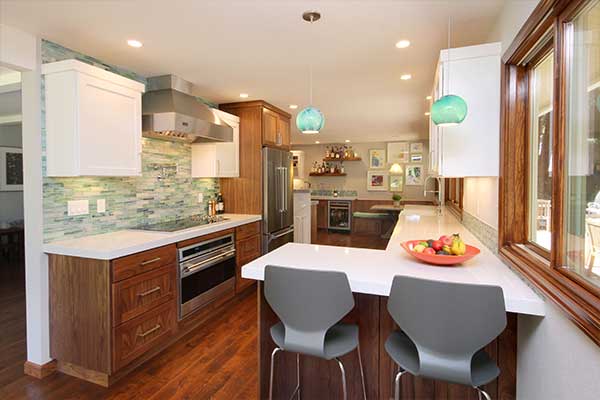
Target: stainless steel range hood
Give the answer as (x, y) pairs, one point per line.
(170, 112)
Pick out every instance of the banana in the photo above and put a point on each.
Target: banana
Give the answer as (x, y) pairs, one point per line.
(458, 246)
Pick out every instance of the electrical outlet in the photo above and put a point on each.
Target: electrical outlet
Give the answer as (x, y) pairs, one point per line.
(200, 198)
(101, 205)
(78, 207)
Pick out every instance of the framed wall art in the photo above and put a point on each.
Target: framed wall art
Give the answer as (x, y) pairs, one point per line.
(377, 158)
(11, 169)
(377, 181)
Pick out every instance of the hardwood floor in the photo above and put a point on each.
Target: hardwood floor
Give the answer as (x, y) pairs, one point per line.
(215, 361)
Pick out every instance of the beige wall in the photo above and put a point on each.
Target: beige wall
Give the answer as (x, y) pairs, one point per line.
(555, 359)
(356, 171)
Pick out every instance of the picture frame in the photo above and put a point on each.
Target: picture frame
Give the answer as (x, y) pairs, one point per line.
(414, 175)
(397, 152)
(377, 181)
(377, 158)
(416, 147)
(11, 169)
(418, 157)
(396, 183)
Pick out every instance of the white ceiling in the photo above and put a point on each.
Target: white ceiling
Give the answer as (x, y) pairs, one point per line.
(264, 48)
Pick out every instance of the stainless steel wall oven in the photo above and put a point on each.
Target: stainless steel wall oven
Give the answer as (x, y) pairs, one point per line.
(206, 271)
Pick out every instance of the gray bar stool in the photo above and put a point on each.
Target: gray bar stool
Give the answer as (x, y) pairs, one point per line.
(444, 327)
(309, 304)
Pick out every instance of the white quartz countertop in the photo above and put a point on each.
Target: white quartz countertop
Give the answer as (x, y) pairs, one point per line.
(108, 246)
(333, 198)
(372, 271)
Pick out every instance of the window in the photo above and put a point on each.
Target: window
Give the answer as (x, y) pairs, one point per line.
(582, 155)
(540, 152)
(549, 216)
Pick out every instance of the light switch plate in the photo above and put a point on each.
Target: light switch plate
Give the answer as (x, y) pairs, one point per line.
(200, 198)
(78, 207)
(101, 205)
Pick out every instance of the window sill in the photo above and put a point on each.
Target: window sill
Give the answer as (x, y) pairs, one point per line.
(582, 304)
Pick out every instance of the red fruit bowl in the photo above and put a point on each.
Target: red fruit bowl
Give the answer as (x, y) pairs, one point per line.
(439, 259)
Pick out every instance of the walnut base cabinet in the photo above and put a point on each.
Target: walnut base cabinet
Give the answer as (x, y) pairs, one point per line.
(105, 314)
(248, 248)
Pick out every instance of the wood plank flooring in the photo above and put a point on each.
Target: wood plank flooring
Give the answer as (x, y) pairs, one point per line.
(215, 361)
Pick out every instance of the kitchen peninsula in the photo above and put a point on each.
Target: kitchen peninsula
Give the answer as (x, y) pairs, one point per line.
(370, 273)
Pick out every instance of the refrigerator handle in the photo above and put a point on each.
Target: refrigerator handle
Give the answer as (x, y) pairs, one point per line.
(286, 190)
(286, 232)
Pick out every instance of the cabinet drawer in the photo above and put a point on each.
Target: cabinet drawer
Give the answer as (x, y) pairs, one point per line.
(244, 231)
(248, 249)
(135, 337)
(134, 296)
(128, 266)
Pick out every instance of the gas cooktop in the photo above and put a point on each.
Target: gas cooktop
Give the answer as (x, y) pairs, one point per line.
(181, 224)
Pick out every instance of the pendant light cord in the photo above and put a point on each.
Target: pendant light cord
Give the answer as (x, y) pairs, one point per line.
(448, 51)
(310, 71)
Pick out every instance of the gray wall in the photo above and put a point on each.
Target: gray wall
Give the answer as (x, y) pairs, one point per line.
(356, 171)
(11, 203)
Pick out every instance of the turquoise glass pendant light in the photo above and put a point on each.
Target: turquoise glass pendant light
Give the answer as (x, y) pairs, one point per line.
(449, 110)
(310, 120)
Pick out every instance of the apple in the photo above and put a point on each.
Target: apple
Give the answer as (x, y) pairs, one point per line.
(437, 245)
(446, 240)
(429, 250)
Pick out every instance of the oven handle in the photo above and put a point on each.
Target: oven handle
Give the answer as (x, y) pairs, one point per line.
(206, 263)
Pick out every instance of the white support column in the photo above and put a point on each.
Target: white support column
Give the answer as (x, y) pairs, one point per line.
(22, 51)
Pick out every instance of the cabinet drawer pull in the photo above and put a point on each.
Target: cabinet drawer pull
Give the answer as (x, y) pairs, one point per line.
(147, 292)
(149, 331)
(150, 261)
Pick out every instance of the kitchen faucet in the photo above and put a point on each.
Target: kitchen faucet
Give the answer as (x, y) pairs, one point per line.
(438, 192)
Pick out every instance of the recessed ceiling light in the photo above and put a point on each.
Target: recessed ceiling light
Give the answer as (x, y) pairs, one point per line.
(405, 77)
(347, 141)
(243, 95)
(317, 142)
(134, 43)
(427, 113)
(293, 106)
(402, 44)
(428, 98)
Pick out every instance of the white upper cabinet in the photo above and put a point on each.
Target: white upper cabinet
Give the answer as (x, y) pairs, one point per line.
(93, 121)
(471, 148)
(218, 160)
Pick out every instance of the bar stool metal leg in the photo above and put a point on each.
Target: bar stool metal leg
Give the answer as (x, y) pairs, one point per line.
(275, 351)
(481, 392)
(362, 374)
(343, 377)
(297, 389)
(397, 383)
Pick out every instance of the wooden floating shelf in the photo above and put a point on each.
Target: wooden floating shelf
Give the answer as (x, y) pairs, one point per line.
(327, 174)
(343, 159)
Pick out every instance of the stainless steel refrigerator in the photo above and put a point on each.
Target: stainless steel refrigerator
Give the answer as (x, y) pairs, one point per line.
(278, 199)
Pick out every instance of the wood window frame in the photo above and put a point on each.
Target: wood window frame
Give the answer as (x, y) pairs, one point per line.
(453, 199)
(579, 299)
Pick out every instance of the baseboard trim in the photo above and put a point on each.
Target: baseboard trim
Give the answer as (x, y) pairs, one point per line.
(39, 371)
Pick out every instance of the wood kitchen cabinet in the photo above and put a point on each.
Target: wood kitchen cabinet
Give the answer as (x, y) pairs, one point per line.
(276, 129)
(248, 248)
(104, 314)
(260, 123)
(322, 217)
(93, 121)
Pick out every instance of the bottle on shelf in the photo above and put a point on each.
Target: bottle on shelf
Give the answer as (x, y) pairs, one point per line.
(220, 207)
